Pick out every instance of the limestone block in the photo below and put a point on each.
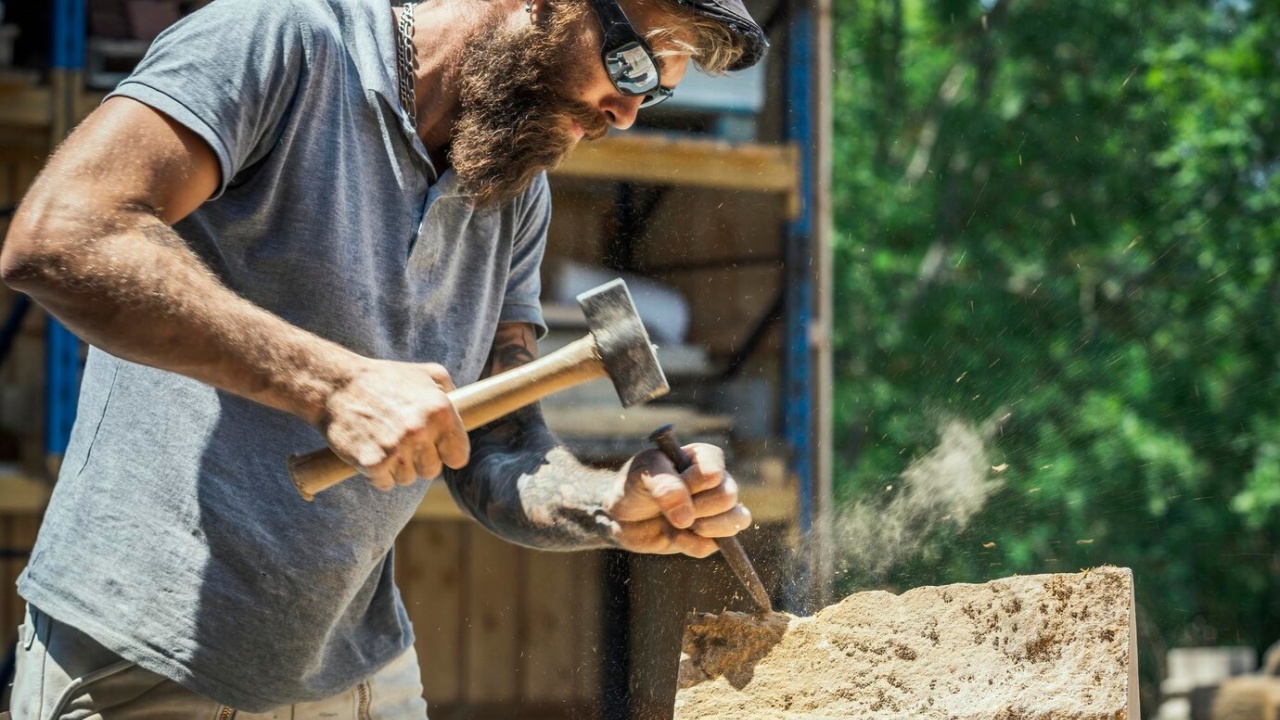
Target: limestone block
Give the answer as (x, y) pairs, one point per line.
(1042, 647)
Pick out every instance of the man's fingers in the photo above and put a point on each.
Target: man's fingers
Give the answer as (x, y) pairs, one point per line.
(657, 537)
(403, 471)
(707, 470)
(426, 458)
(451, 441)
(693, 545)
(380, 475)
(440, 376)
(717, 500)
(726, 524)
(672, 497)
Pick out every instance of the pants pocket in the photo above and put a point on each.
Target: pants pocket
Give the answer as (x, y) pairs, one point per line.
(57, 665)
(110, 686)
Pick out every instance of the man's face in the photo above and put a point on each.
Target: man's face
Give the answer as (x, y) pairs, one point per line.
(529, 94)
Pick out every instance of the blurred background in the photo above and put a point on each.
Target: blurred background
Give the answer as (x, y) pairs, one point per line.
(966, 289)
(1057, 235)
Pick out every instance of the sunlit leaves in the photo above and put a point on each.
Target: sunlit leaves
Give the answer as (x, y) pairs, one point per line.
(1070, 220)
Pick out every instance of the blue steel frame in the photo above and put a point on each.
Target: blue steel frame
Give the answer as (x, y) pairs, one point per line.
(62, 348)
(798, 364)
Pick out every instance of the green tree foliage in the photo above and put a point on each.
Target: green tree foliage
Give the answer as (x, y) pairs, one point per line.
(1060, 222)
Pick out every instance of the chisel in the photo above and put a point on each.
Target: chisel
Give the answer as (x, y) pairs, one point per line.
(664, 437)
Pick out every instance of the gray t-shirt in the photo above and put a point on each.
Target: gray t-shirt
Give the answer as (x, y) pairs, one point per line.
(174, 536)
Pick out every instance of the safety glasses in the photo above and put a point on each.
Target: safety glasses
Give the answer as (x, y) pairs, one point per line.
(627, 57)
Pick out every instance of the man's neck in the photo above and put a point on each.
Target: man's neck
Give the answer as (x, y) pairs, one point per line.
(440, 33)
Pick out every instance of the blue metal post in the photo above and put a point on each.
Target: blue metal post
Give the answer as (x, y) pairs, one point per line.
(62, 348)
(68, 35)
(798, 420)
(62, 359)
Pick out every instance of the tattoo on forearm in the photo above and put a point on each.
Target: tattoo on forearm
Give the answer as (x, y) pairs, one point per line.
(514, 344)
(521, 483)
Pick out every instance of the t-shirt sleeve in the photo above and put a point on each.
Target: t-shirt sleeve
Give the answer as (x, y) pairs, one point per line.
(229, 73)
(522, 301)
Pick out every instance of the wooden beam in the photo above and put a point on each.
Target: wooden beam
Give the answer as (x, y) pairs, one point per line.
(665, 160)
(22, 495)
(29, 108)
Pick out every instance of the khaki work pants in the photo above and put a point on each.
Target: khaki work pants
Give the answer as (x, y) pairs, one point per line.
(63, 674)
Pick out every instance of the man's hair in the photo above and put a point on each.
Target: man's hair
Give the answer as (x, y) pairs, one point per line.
(708, 43)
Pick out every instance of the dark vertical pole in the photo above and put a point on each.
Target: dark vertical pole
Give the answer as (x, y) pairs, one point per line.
(798, 423)
(615, 656)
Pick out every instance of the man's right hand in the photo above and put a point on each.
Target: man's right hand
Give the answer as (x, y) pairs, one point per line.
(395, 423)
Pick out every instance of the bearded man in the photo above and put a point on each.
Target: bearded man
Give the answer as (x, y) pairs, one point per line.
(303, 221)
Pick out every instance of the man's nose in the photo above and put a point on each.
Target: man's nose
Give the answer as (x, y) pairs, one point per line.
(620, 110)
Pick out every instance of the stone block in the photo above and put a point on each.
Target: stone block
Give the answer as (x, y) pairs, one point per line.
(1043, 647)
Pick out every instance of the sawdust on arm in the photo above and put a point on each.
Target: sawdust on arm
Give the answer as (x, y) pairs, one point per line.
(521, 483)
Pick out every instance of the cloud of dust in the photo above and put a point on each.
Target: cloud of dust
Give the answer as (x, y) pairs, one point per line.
(941, 490)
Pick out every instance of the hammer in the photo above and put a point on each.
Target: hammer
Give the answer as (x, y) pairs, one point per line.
(617, 347)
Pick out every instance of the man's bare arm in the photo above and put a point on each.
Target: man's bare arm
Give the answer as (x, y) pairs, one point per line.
(92, 243)
(523, 485)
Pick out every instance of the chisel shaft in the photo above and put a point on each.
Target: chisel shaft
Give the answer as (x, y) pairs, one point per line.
(664, 437)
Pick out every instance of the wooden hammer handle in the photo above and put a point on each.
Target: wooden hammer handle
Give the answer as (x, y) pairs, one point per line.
(478, 403)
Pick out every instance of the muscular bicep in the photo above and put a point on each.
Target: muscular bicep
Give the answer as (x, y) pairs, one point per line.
(514, 344)
(126, 157)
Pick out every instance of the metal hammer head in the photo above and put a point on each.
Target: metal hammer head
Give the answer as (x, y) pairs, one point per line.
(628, 356)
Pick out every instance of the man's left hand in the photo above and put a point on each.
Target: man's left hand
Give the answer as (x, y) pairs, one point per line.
(657, 510)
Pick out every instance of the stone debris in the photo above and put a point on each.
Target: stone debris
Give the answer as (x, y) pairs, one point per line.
(1041, 647)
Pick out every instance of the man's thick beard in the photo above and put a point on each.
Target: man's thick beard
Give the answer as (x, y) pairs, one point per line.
(515, 105)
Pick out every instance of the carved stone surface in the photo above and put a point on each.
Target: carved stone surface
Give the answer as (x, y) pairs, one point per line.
(1042, 647)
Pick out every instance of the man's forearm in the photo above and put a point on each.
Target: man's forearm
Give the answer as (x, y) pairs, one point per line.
(525, 487)
(130, 285)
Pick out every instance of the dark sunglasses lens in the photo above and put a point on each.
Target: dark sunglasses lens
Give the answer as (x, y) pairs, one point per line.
(632, 69)
(655, 97)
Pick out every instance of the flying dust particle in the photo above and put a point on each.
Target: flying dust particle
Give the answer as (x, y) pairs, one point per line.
(938, 492)
(989, 545)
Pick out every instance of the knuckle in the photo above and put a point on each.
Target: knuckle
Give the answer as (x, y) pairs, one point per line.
(441, 414)
(670, 495)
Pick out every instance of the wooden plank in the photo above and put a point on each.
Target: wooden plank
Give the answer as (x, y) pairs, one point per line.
(439, 505)
(22, 495)
(17, 534)
(30, 107)
(581, 219)
(552, 619)
(661, 159)
(722, 326)
(491, 651)
(429, 574)
(704, 225)
(588, 651)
